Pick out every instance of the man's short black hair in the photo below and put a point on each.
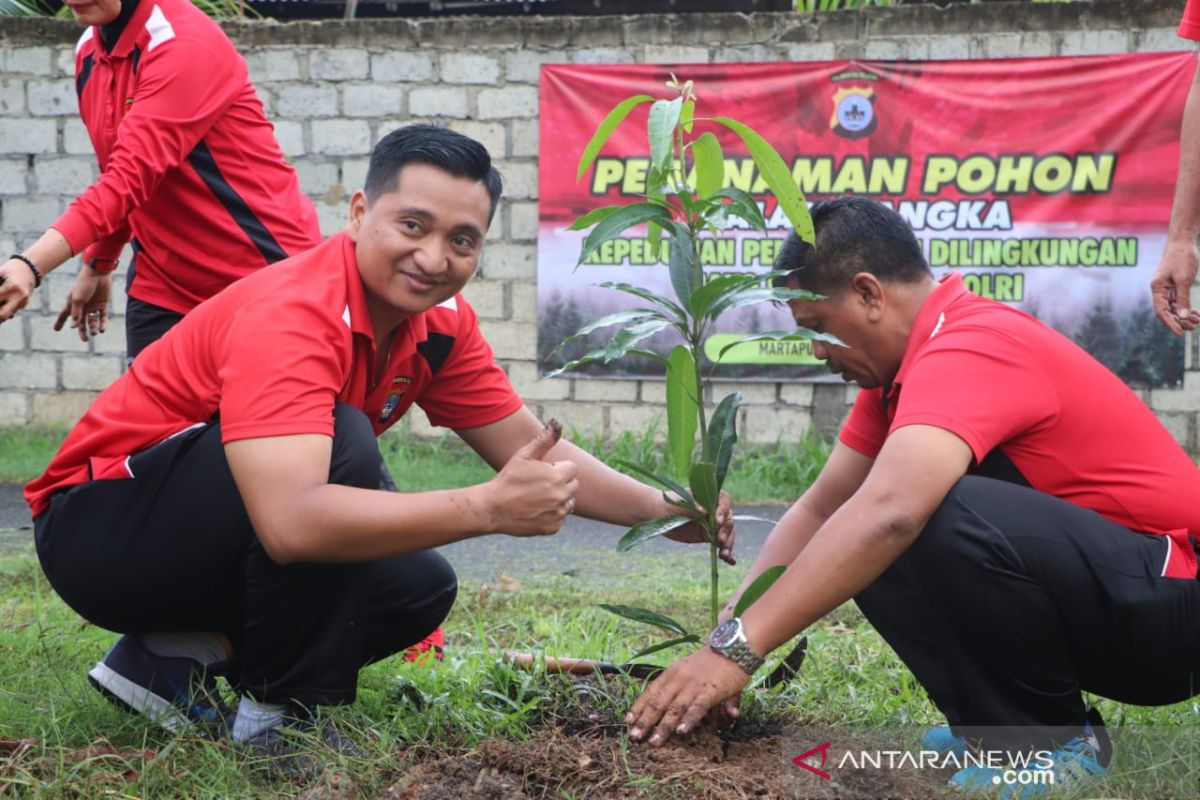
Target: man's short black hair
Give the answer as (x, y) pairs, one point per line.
(443, 148)
(853, 234)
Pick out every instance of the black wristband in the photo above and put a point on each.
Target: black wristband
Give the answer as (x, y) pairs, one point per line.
(37, 276)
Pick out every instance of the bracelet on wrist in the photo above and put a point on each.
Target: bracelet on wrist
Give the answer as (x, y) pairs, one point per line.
(37, 276)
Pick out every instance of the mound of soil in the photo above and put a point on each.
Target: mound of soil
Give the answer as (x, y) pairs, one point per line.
(597, 766)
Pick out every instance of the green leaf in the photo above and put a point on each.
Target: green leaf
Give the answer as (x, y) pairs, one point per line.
(653, 229)
(664, 116)
(661, 480)
(613, 224)
(646, 294)
(722, 434)
(746, 297)
(687, 115)
(627, 337)
(758, 588)
(710, 165)
(598, 355)
(627, 315)
(592, 217)
(703, 480)
(610, 123)
(646, 617)
(742, 204)
(710, 292)
(691, 638)
(777, 177)
(683, 272)
(682, 409)
(650, 529)
(794, 335)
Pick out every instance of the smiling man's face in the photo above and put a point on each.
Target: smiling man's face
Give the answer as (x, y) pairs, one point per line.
(418, 244)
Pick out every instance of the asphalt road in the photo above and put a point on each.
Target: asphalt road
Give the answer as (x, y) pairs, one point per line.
(582, 549)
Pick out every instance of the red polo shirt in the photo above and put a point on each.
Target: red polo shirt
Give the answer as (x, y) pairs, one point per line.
(189, 163)
(1002, 381)
(272, 354)
(1189, 26)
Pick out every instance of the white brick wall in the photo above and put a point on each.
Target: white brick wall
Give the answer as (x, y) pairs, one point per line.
(330, 104)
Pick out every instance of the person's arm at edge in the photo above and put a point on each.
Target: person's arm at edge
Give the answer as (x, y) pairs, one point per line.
(842, 475)
(300, 517)
(916, 468)
(604, 493)
(1176, 272)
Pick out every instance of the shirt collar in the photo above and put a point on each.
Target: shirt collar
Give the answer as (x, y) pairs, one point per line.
(358, 313)
(129, 29)
(929, 320)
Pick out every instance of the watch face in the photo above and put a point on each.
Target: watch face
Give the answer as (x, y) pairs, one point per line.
(724, 634)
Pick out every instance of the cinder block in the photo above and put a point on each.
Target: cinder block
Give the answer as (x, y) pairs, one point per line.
(1186, 398)
(399, 66)
(636, 418)
(290, 135)
(372, 100)
(512, 101)
(486, 297)
(112, 342)
(531, 386)
(75, 139)
(520, 179)
(753, 53)
(14, 174)
(52, 98)
(577, 419)
(64, 61)
(90, 371)
(338, 64)
(316, 177)
(60, 408)
(885, 49)
(605, 390)
(43, 339)
(810, 51)
(770, 424)
(70, 175)
(1091, 43)
(523, 221)
(439, 101)
(23, 214)
(341, 137)
(949, 48)
(796, 394)
(471, 68)
(354, 173)
(12, 97)
(674, 54)
(28, 136)
(12, 333)
(491, 135)
(30, 61)
(525, 66)
(753, 394)
(503, 261)
(13, 408)
(511, 340)
(603, 55)
(302, 101)
(524, 137)
(272, 64)
(1162, 39)
(1180, 424)
(332, 218)
(28, 370)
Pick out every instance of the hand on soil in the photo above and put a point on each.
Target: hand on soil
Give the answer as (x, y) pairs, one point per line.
(532, 496)
(679, 699)
(694, 533)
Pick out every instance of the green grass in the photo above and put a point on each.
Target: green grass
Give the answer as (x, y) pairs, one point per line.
(78, 745)
(773, 474)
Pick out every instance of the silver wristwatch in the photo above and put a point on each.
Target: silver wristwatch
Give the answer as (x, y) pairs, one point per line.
(729, 639)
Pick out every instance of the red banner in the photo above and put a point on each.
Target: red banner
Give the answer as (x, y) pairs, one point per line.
(1047, 182)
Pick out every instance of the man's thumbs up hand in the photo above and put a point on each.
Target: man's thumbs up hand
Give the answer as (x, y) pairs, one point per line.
(532, 497)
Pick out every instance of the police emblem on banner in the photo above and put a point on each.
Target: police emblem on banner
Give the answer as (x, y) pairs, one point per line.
(853, 112)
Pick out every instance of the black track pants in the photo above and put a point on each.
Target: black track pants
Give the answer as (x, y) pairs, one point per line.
(1011, 602)
(172, 549)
